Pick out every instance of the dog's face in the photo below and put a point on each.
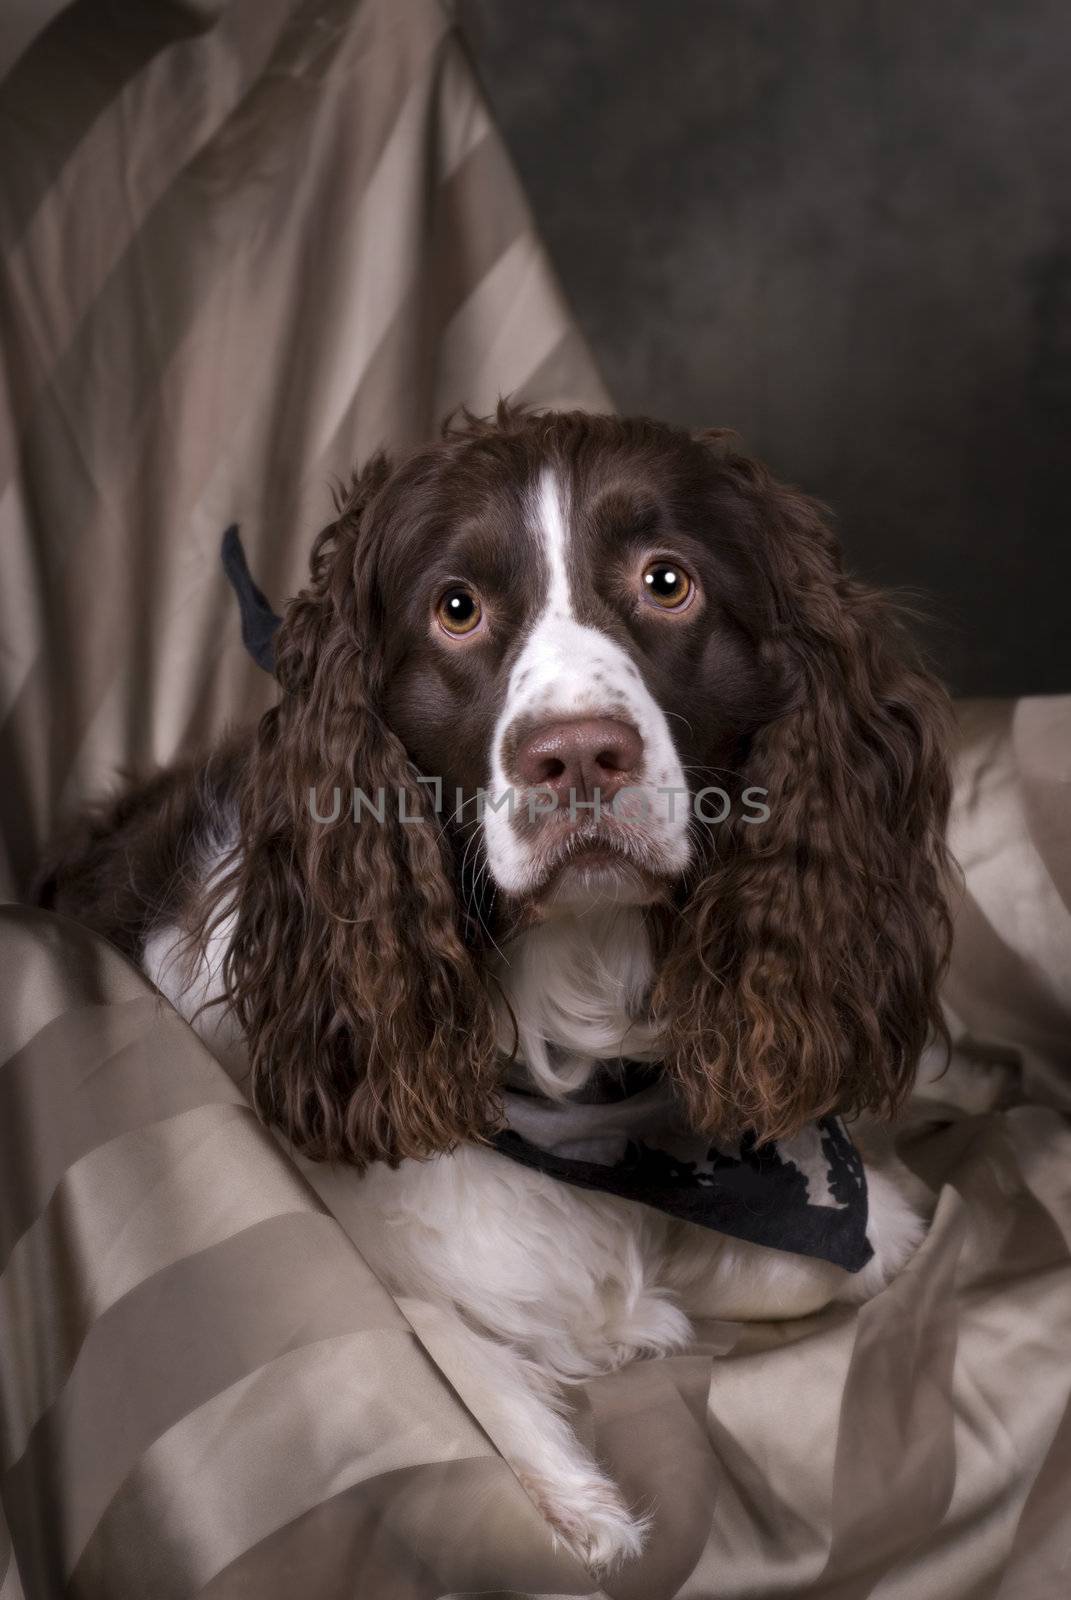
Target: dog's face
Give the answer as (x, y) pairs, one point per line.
(576, 624)
(570, 612)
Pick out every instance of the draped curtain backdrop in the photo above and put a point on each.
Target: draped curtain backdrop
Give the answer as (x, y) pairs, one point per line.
(243, 244)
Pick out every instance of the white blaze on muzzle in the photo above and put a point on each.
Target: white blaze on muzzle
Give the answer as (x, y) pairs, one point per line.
(568, 670)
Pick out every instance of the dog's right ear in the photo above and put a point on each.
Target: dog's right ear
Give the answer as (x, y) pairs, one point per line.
(370, 1032)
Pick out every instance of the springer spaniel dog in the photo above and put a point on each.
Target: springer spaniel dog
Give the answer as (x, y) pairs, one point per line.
(597, 802)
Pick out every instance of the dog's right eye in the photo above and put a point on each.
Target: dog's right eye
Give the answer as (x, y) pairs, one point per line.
(459, 611)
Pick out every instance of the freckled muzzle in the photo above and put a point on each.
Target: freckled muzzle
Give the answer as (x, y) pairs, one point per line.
(581, 792)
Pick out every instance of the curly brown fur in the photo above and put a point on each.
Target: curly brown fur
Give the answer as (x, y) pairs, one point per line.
(806, 975)
(369, 1024)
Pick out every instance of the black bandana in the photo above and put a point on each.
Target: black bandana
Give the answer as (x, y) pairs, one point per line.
(259, 621)
(622, 1135)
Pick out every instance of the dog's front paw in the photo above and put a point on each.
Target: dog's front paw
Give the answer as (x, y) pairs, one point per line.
(588, 1516)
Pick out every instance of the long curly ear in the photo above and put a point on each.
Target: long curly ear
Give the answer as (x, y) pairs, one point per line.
(370, 1034)
(806, 978)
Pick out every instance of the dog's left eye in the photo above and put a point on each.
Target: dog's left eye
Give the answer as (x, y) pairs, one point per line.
(667, 585)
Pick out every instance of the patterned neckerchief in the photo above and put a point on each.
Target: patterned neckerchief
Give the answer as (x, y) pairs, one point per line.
(622, 1134)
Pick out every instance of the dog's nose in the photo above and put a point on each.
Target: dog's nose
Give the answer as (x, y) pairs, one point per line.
(588, 754)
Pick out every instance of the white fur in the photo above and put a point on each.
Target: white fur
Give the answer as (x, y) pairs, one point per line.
(551, 1284)
(191, 979)
(578, 983)
(568, 670)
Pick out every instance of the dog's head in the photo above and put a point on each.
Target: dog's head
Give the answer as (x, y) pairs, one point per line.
(560, 659)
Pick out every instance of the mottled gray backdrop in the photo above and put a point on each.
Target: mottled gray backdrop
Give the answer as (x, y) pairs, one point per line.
(841, 226)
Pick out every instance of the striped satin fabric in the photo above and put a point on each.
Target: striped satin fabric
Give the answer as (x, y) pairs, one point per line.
(243, 244)
(204, 1390)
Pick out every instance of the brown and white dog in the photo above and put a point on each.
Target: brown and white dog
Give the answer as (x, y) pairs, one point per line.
(541, 604)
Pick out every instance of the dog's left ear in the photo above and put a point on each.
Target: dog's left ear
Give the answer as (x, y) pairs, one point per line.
(806, 978)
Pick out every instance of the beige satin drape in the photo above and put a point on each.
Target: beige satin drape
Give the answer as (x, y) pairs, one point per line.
(204, 1390)
(243, 244)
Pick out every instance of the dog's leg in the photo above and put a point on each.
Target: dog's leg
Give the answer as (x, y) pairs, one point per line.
(518, 1405)
(716, 1276)
(493, 1248)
